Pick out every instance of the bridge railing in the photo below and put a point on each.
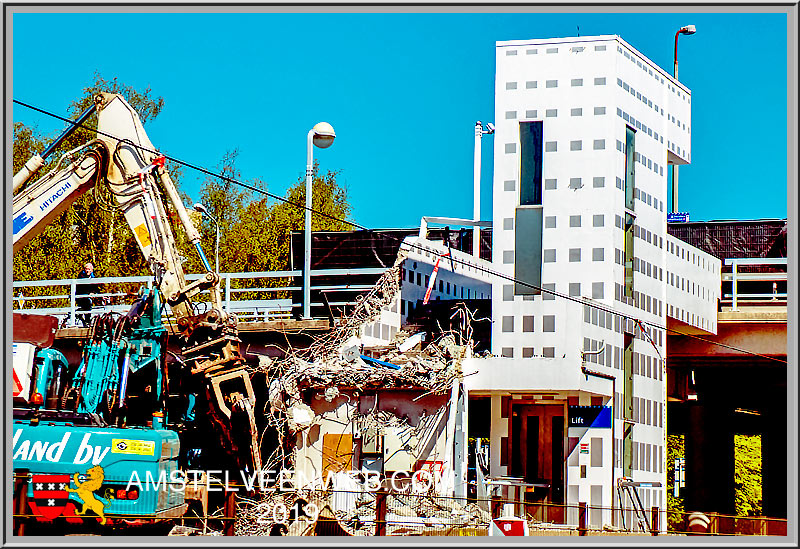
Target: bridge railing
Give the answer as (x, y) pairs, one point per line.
(754, 281)
(258, 296)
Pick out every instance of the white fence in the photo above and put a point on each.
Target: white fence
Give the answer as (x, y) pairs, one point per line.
(59, 296)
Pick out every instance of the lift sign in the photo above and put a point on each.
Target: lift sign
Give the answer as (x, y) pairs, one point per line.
(596, 417)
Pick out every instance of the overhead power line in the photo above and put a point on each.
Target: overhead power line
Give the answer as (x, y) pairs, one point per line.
(490, 272)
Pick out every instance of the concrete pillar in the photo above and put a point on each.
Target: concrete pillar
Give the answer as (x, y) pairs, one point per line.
(773, 459)
(710, 458)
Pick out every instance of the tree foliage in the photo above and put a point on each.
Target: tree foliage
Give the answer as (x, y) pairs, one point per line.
(327, 197)
(255, 229)
(675, 504)
(747, 451)
(225, 201)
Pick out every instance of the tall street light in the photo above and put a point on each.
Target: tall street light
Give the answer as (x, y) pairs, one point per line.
(322, 136)
(688, 29)
(203, 210)
(476, 201)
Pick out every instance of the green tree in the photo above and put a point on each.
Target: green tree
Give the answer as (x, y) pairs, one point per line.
(226, 201)
(747, 476)
(27, 141)
(675, 504)
(328, 198)
(255, 230)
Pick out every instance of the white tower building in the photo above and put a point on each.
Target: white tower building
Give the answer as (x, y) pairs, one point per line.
(585, 130)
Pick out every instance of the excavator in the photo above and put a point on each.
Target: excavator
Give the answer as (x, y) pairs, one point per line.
(125, 413)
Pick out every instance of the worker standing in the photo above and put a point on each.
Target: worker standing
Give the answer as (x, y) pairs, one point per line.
(85, 289)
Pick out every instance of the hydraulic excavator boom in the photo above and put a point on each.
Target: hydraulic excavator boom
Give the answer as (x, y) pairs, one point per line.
(123, 158)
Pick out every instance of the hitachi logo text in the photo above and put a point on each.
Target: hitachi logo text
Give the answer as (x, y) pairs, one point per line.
(55, 196)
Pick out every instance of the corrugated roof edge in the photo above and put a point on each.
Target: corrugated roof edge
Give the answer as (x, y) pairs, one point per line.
(765, 220)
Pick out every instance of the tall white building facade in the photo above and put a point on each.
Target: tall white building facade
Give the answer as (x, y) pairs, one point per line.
(586, 129)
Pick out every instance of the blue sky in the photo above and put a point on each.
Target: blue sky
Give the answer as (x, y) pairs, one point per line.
(403, 92)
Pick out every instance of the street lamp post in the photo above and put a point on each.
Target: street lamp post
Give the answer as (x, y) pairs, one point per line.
(476, 201)
(203, 210)
(688, 29)
(321, 135)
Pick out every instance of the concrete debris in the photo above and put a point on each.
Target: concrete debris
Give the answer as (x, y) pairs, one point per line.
(264, 362)
(333, 360)
(327, 524)
(300, 417)
(350, 354)
(367, 309)
(411, 342)
(331, 393)
(182, 530)
(179, 530)
(276, 513)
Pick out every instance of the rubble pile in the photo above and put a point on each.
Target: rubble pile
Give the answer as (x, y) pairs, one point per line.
(413, 514)
(359, 521)
(375, 420)
(336, 364)
(440, 512)
(425, 369)
(333, 359)
(433, 370)
(406, 514)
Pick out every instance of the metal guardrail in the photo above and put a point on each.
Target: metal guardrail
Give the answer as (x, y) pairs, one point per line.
(736, 276)
(60, 301)
(59, 296)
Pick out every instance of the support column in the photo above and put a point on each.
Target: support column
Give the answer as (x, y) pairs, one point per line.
(710, 458)
(773, 459)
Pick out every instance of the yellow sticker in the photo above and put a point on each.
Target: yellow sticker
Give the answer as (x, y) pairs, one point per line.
(128, 446)
(143, 235)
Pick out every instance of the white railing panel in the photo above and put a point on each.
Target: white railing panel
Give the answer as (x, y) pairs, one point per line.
(60, 301)
(735, 277)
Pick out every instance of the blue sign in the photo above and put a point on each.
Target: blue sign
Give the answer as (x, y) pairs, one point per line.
(596, 417)
(678, 217)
